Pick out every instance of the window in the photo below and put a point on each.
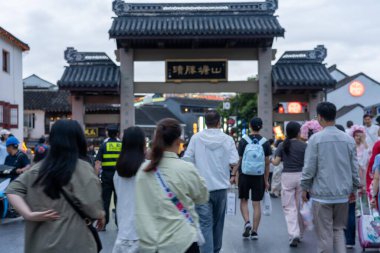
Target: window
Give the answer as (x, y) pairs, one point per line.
(29, 120)
(6, 61)
(14, 116)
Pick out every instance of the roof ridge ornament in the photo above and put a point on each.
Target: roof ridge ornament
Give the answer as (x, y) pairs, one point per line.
(318, 54)
(73, 57)
(122, 8)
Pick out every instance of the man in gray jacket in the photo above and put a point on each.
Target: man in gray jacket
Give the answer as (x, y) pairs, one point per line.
(330, 176)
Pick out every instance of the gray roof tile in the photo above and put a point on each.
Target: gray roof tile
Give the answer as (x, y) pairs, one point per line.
(198, 25)
(90, 77)
(302, 69)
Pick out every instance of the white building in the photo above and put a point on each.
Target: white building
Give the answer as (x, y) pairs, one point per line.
(11, 95)
(352, 94)
(40, 97)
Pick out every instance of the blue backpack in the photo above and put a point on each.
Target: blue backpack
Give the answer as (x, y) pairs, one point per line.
(253, 163)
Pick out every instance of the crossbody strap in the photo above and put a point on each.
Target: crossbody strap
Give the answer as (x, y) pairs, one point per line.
(76, 208)
(173, 197)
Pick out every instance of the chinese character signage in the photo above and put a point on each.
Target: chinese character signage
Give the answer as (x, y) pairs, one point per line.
(196, 70)
(91, 132)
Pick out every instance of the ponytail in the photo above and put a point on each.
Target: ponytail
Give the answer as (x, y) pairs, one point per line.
(292, 131)
(167, 131)
(157, 151)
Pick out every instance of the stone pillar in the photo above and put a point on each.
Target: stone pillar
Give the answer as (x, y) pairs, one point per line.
(265, 105)
(78, 109)
(314, 100)
(127, 109)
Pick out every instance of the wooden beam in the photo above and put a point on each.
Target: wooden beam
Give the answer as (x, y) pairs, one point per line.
(278, 98)
(278, 117)
(233, 54)
(102, 100)
(236, 86)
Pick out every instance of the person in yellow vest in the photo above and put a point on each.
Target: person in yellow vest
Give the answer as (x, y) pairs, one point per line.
(106, 160)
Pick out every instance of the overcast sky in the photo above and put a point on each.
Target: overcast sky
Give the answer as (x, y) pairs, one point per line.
(350, 30)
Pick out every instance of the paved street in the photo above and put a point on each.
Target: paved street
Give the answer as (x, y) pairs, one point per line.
(273, 236)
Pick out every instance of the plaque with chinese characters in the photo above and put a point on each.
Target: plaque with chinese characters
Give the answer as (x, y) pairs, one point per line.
(196, 70)
(91, 132)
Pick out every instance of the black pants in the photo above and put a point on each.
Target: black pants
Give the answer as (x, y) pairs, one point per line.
(108, 188)
(194, 248)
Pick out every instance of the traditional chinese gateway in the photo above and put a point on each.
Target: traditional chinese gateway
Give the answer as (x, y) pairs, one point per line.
(196, 40)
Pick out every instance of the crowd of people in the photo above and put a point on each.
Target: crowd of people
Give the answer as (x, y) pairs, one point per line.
(173, 203)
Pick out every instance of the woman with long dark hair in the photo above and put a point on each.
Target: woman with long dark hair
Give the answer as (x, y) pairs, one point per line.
(291, 152)
(132, 156)
(167, 190)
(42, 195)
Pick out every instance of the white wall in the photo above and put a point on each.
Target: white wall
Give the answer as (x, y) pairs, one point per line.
(11, 84)
(356, 116)
(342, 97)
(39, 124)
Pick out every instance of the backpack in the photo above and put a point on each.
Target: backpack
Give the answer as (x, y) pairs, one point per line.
(40, 149)
(253, 163)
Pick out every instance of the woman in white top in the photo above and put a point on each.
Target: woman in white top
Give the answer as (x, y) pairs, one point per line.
(132, 156)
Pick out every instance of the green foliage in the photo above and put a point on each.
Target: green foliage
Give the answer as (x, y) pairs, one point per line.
(242, 105)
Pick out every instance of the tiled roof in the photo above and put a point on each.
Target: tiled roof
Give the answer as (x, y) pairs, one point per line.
(180, 26)
(13, 40)
(88, 77)
(144, 115)
(157, 113)
(49, 101)
(89, 71)
(346, 109)
(36, 82)
(302, 69)
(182, 22)
(194, 102)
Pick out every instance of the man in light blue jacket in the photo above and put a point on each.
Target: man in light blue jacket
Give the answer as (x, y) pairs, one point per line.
(330, 176)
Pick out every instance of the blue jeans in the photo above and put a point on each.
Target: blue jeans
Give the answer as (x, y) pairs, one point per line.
(350, 231)
(211, 217)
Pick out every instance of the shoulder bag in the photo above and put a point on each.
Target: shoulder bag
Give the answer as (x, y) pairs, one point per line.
(87, 220)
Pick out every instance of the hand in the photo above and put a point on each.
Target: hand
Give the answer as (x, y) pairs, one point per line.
(267, 186)
(20, 171)
(101, 223)
(49, 215)
(352, 198)
(373, 203)
(233, 180)
(304, 196)
(98, 167)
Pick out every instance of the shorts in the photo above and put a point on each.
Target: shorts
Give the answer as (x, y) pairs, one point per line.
(253, 184)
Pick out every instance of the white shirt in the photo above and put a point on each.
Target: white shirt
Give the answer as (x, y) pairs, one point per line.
(125, 208)
(372, 133)
(213, 152)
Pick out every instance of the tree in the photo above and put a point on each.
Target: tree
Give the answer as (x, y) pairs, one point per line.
(244, 106)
